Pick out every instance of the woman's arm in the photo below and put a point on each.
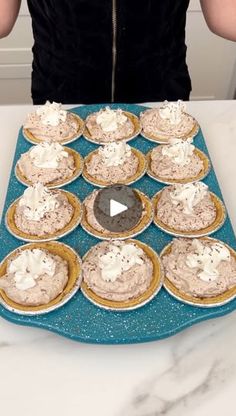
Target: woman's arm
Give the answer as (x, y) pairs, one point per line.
(220, 16)
(9, 10)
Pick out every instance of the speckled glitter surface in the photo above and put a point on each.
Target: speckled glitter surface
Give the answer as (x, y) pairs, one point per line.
(81, 320)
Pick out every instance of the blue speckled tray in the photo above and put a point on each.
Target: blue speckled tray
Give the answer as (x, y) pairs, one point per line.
(81, 320)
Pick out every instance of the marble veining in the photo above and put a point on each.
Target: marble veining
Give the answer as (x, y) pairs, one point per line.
(4, 344)
(198, 370)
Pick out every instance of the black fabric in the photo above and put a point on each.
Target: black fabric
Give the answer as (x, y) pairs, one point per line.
(73, 51)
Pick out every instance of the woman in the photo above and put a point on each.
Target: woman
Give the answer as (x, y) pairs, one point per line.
(113, 50)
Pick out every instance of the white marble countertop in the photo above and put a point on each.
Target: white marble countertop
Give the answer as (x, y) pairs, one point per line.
(190, 374)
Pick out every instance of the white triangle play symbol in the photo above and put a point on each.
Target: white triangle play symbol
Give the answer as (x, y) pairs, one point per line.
(116, 208)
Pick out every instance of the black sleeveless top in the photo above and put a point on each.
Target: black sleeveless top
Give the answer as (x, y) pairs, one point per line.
(90, 51)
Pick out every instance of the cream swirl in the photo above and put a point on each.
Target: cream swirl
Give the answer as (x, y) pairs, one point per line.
(36, 201)
(173, 112)
(114, 154)
(179, 151)
(51, 114)
(47, 155)
(109, 119)
(119, 259)
(189, 195)
(207, 259)
(29, 266)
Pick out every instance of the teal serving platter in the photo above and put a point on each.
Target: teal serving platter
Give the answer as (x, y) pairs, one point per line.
(79, 319)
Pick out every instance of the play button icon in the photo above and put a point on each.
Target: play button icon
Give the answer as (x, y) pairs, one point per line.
(118, 208)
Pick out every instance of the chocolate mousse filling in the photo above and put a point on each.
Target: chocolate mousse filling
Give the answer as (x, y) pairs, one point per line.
(46, 287)
(46, 175)
(129, 283)
(188, 277)
(122, 131)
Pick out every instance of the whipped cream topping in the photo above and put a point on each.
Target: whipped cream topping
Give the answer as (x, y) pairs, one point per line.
(179, 151)
(37, 200)
(51, 114)
(119, 259)
(47, 155)
(189, 195)
(173, 112)
(29, 266)
(207, 259)
(109, 119)
(114, 154)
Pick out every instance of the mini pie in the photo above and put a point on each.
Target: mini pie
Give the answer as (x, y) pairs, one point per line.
(114, 163)
(177, 162)
(92, 226)
(121, 275)
(200, 272)
(111, 125)
(188, 210)
(170, 120)
(39, 277)
(41, 214)
(50, 164)
(49, 123)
